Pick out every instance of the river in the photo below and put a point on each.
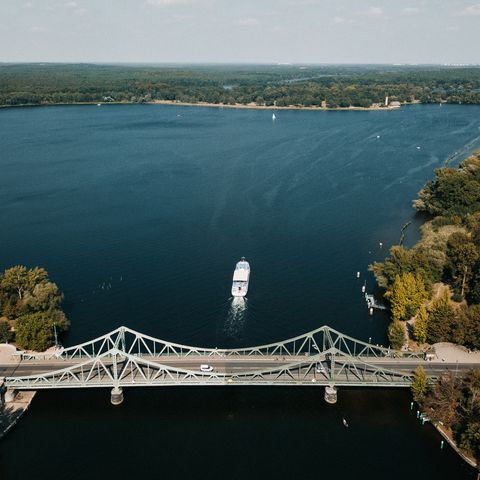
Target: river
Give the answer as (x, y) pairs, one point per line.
(140, 212)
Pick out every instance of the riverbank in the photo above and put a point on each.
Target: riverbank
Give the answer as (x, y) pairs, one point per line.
(448, 437)
(240, 106)
(12, 411)
(254, 106)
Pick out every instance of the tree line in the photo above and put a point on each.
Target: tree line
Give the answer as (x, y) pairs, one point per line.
(447, 254)
(333, 86)
(435, 287)
(453, 402)
(30, 306)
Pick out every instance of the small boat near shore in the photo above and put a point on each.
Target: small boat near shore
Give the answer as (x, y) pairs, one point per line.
(241, 278)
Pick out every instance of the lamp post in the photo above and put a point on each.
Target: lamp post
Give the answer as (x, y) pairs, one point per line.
(55, 333)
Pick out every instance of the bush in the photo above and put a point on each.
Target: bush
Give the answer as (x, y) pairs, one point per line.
(396, 335)
(456, 297)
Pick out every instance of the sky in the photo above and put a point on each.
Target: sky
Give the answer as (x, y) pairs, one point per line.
(240, 31)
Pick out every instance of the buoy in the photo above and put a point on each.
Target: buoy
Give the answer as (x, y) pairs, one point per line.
(381, 244)
(363, 288)
(358, 274)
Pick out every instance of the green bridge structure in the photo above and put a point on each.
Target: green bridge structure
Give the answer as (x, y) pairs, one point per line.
(127, 358)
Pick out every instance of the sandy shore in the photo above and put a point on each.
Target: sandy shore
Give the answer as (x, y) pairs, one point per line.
(249, 106)
(254, 106)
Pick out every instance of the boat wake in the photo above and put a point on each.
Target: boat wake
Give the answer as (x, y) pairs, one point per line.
(236, 316)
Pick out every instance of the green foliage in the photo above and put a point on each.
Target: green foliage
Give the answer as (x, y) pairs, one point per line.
(468, 323)
(28, 297)
(422, 259)
(5, 333)
(443, 400)
(441, 320)
(396, 335)
(342, 86)
(420, 326)
(455, 191)
(24, 291)
(462, 255)
(407, 294)
(470, 439)
(35, 330)
(419, 385)
(456, 402)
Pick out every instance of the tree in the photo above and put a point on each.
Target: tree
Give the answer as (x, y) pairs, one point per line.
(462, 254)
(15, 279)
(470, 439)
(442, 400)
(34, 332)
(5, 334)
(45, 296)
(396, 335)
(419, 385)
(469, 321)
(420, 327)
(407, 294)
(441, 320)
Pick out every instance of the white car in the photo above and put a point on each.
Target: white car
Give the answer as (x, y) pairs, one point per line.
(320, 368)
(206, 368)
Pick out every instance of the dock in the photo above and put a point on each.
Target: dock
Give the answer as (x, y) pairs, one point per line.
(372, 303)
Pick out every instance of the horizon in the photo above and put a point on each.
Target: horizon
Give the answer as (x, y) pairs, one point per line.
(269, 64)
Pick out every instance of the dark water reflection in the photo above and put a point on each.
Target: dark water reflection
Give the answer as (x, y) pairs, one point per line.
(140, 212)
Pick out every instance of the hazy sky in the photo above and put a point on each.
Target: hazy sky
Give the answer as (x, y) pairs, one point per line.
(270, 31)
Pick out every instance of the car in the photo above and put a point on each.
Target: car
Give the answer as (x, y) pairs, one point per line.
(320, 368)
(206, 368)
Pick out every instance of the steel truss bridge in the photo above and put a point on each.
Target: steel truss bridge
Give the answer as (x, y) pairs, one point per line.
(127, 358)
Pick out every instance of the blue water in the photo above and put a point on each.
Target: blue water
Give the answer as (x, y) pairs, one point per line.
(140, 213)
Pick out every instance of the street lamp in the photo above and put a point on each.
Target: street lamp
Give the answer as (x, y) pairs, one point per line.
(55, 333)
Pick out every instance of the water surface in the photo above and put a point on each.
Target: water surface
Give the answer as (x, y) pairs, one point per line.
(139, 213)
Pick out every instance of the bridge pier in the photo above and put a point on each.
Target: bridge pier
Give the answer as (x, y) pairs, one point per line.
(331, 394)
(2, 392)
(116, 396)
(10, 395)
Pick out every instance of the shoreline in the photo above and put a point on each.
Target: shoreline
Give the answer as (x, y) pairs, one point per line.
(13, 411)
(455, 447)
(237, 106)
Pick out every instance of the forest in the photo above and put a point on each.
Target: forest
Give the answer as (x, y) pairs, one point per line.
(332, 86)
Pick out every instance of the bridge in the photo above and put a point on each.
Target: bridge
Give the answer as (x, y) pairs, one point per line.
(127, 358)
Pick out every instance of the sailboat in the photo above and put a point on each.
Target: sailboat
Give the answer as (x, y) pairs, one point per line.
(274, 117)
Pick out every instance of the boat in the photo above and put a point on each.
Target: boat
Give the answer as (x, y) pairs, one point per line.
(274, 117)
(241, 277)
(345, 424)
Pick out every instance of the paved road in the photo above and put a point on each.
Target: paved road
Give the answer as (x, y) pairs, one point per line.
(236, 365)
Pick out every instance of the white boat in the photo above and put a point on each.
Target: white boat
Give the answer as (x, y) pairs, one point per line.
(241, 277)
(274, 117)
